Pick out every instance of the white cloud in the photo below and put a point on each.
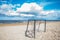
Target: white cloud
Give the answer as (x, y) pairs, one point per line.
(5, 6)
(47, 12)
(28, 7)
(24, 8)
(7, 9)
(34, 7)
(28, 15)
(12, 13)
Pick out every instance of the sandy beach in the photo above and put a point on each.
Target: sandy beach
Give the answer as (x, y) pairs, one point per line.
(16, 31)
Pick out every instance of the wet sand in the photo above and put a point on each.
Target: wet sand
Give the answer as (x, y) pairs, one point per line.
(16, 31)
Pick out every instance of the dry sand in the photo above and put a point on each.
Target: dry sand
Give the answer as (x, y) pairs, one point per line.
(17, 31)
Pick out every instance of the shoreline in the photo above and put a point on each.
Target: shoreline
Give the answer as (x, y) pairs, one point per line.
(25, 23)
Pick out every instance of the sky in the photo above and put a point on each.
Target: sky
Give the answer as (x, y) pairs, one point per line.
(29, 9)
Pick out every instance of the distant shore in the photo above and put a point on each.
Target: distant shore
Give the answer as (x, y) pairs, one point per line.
(25, 23)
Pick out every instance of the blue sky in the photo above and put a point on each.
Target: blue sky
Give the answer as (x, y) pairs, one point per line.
(29, 9)
(55, 3)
